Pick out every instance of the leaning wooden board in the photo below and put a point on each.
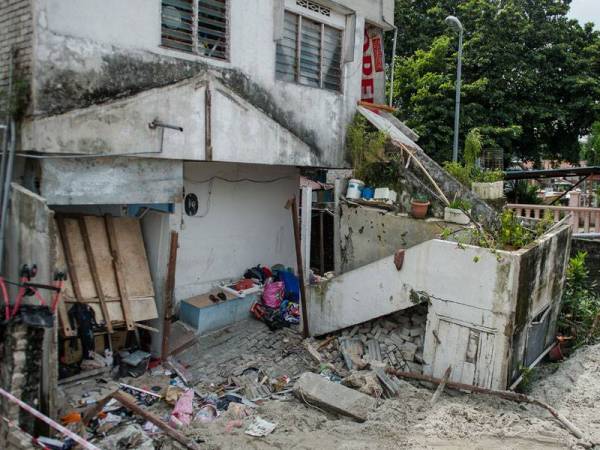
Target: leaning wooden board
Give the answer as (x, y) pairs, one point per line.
(134, 268)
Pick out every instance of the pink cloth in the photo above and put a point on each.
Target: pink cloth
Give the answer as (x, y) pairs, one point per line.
(182, 413)
(273, 294)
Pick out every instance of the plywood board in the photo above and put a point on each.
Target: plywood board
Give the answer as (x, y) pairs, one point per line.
(102, 256)
(134, 268)
(80, 262)
(133, 257)
(141, 309)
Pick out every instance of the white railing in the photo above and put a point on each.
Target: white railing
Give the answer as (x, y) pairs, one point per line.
(583, 219)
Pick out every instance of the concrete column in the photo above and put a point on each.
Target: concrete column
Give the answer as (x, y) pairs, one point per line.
(574, 198)
(305, 230)
(337, 256)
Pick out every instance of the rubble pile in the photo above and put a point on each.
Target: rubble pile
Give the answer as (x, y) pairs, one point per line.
(395, 341)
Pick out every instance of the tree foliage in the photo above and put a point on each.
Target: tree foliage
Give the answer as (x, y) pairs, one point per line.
(531, 76)
(591, 149)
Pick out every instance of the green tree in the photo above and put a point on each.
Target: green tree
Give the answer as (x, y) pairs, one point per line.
(591, 149)
(531, 76)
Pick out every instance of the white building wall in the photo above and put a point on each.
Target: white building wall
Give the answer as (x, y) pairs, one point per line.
(239, 224)
(85, 51)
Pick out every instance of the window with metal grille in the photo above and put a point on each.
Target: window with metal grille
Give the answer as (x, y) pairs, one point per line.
(199, 27)
(309, 53)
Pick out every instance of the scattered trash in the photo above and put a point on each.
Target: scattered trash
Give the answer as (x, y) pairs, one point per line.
(184, 409)
(260, 427)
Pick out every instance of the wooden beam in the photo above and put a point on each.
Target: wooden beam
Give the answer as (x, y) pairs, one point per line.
(168, 294)
(507, 395)
(293, 205)
(129, 402)
(87, 244)
(69, 258)
(376, 106)
(118, 265)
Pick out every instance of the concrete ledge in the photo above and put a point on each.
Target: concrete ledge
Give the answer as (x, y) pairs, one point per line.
(334, 397)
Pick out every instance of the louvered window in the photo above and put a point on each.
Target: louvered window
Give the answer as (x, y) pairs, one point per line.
(309, 53)
(196, 27)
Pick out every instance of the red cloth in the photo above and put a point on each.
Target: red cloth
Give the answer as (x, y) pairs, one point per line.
(244, 284)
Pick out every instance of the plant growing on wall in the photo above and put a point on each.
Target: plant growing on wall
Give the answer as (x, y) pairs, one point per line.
(367, 153)
(473, 147)
(18, 101)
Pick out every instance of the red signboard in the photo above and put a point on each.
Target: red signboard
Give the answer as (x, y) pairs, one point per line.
(373, 79)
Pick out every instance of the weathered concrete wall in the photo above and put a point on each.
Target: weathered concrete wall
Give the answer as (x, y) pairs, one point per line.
(369, 234)
(478, 301)
(592, 248)
(83, 58)
(30, 237)
(110, 181)
(16, 32)
(239, 224)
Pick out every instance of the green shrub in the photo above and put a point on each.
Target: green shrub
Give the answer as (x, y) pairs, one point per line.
(580, 312)
(459, 203)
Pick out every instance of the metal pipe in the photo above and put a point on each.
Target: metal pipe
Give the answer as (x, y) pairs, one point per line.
(6, 191)
(453, 22)
(6, 126)
(393, 65)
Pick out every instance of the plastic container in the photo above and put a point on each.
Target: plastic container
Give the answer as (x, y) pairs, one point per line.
(367, 193)
(355, 188)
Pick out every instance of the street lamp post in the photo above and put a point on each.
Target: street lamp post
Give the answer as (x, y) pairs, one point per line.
(455, 24)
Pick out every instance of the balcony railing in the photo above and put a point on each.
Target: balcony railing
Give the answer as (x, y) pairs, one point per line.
(583, 219)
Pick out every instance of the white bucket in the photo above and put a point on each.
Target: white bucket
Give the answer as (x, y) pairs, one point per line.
(355, 188)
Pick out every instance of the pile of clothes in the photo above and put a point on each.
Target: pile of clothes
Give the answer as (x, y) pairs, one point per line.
(279, 304)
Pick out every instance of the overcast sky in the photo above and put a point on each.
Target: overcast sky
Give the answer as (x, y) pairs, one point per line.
(586, 11)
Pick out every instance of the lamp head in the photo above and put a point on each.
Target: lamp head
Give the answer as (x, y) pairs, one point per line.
(454, 23)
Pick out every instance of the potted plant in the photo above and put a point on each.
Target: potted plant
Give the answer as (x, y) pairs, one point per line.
(455, 211)
(488, 184)
(419, 205)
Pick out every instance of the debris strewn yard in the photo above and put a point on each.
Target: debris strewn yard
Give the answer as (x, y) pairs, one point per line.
(224, 412)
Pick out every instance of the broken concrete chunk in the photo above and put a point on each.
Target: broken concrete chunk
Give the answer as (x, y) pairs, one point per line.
(413, 331)
(334, 397)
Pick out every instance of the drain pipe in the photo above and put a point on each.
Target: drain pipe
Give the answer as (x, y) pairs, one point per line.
(6, 125)
(393, 66)
(8, 159)
(6, 191)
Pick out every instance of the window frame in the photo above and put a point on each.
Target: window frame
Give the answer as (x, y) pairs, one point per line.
(195, 38)
(298, 51)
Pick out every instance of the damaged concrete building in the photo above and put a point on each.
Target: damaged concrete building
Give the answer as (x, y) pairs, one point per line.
(158, 143)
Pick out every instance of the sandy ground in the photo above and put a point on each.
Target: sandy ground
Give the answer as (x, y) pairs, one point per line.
(457, 421)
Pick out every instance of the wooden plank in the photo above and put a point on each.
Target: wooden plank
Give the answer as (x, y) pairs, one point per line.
(79, 258)
(96, 228)
(132, 253)
(118, 265)
(94, 272)
(61, 308)
(68, 253)
(376, 106)
(168, 296)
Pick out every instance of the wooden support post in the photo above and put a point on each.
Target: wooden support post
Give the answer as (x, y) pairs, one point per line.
(438, 392)
(69, 258)
(87, 243)
(322, 242)
(114, 249)
(294, 208)
(168, 295)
